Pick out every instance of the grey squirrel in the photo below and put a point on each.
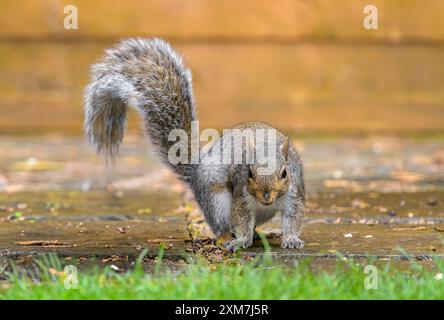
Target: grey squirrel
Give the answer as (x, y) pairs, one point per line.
(149, 75)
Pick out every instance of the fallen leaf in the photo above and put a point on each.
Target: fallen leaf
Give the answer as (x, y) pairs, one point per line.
(438, 229)
(42, 243)
(432, 202)
(54, 272)
(410, 229)
(121, 230)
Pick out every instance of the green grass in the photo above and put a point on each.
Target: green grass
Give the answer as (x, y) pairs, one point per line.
(235, 282)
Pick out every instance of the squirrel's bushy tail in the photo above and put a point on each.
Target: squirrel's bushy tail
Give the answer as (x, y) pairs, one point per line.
(146, 74)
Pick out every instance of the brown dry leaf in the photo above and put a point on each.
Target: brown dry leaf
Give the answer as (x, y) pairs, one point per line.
(154, 240)
(121, 230)
(224, 238)
(42, 243)
(54, 272)
(438, 229)
(113, 258)
(407, 176)
(410, 229)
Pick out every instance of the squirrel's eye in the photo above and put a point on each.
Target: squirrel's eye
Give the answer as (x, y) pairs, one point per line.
(250, 173)
(284, 174)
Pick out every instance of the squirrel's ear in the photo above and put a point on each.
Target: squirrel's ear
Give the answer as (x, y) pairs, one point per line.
(285, 147)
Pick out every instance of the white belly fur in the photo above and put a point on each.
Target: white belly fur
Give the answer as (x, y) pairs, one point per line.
(262, 212)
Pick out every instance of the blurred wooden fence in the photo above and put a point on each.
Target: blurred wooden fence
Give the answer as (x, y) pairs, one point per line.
(298, 64)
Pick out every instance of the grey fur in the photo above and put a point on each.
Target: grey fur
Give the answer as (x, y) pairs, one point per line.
(150, 76)
(245, 212)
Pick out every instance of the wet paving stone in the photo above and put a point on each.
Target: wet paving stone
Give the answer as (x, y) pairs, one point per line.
(367, 198)
(379, 241)
(94, 238)
(386, 206)
(92, 205)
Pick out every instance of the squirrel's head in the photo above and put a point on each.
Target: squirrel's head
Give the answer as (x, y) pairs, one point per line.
(267, 188)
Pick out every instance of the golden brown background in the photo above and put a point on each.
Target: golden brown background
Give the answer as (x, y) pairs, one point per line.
(304, 66)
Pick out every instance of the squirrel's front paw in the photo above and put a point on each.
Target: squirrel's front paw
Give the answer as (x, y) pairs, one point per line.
(237, 243)
(292, 242)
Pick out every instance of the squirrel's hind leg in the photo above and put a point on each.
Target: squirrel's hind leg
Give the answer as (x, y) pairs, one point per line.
(242, 225)
(215, 202)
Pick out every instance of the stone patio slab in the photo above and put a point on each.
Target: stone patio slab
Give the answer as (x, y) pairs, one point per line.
(94, 238)
(357, 240)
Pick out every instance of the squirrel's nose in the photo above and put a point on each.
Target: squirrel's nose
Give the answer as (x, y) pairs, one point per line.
(267, 196)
